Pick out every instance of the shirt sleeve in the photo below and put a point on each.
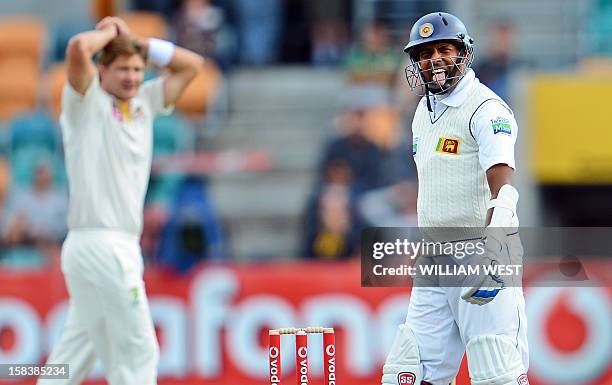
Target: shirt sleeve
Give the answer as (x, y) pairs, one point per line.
(153, 91)
(75, 106)
(495, 131)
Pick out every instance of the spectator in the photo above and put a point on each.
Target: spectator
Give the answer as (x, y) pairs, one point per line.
(494, 69)
(333, 232)
(200, 26)
(259, 24)
(363, 158)
(192, 233)
(37, 215)
(373, 61)
(329, 40)
(329, 35)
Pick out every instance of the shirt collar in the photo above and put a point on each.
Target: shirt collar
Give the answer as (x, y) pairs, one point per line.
(460, 93)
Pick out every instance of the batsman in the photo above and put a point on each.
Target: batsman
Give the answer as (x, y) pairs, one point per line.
(463, 146)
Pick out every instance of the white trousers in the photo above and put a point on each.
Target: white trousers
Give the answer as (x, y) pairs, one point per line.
(443, 324)
(108, 315)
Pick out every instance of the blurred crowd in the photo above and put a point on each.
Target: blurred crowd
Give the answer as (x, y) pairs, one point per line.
(366, 175)
(366, 172)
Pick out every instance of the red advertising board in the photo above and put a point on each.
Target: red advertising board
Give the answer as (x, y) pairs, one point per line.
(212, 324)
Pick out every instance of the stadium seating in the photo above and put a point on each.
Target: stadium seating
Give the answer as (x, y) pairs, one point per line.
(34, 138)
(24, 162)
(146, 24)
(170, 134)
(37, 131)
(19, 82)
(54, 83)
(61, 33)
(163, 186)
(22, 37)
(201, 92)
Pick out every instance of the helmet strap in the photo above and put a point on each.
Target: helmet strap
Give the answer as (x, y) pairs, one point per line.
(427, 93)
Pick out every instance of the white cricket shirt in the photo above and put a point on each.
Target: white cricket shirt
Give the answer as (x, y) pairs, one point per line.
(108, 158)
(494, 146)
(470, 130)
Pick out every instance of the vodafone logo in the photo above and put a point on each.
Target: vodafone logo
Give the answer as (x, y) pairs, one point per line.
(302, 352)
(274, 352)
(406, 378)
(522, 380)
(570, 339)
(330, 352)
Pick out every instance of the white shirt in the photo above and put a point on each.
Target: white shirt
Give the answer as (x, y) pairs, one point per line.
(493, 126)
(108, 159)
(453, 150)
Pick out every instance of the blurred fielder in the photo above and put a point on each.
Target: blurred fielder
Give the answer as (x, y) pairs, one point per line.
(107, 132)
(464, 137)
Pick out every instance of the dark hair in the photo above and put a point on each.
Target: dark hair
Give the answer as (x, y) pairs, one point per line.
(120, 46)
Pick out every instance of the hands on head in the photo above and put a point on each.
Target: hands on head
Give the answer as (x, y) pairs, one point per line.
(114, 22)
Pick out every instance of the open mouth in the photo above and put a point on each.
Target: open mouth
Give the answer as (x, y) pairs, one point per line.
(439, 76)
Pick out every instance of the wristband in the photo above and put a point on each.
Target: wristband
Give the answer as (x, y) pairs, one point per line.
(160, 52)
(504, 207)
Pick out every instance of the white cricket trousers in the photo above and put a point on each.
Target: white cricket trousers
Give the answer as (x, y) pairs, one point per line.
(443, 323)
(108, 314)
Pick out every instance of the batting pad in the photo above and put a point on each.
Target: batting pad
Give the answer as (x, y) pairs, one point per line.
(494, 360)
(403, 364)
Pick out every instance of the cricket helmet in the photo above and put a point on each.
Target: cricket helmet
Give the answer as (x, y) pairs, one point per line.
(438, 27)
